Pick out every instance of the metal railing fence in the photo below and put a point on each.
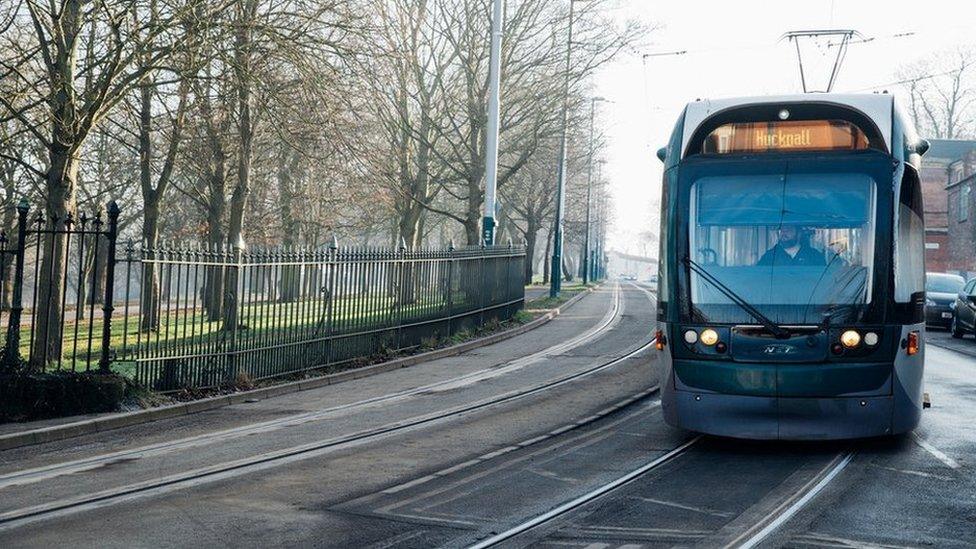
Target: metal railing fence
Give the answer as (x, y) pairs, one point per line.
(56, 291)
(224, 312)
(181, 316)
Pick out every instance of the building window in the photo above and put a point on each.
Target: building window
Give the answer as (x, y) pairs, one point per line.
(964, 203)
(955, 174)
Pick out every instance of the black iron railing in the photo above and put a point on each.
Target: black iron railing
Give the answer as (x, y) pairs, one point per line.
(57, 291)
(185, 316)
(222, 313)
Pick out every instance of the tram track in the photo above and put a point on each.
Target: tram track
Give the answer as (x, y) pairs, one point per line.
(788, 508)
(749, 538)
(782, 510)
(230, 469)
(580, 501)
(38, 474)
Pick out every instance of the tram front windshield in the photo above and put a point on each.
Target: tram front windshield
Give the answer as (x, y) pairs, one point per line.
(795, 246)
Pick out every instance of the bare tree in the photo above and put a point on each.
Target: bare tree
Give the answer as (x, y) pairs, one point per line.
(532, 69)
(942, 94)
(404, 75)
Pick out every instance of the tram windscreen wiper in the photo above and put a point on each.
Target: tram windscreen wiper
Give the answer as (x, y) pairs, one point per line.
(775, 329)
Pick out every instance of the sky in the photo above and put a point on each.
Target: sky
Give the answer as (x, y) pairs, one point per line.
(733, 49)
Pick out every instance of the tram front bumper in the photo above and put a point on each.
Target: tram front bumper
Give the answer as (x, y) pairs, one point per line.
(758, 417)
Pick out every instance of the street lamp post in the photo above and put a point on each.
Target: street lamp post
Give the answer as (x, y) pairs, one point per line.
(589, 190)
(494, 91)
(555, 281)
(600, 226)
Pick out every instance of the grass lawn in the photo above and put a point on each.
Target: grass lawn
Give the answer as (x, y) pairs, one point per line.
(185, 331)
(569, 290)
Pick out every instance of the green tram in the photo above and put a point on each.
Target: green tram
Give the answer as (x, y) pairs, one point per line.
(791, 276)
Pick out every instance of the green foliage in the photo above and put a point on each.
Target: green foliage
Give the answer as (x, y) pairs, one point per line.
(26, 397)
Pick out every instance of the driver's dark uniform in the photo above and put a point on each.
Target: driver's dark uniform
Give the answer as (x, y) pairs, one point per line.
(806, 255)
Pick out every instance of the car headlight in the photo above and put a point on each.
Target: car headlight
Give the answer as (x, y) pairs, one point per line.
(929, 303)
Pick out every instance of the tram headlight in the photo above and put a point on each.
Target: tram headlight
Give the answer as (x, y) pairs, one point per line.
(691, 337)
(850, 339)
(871, 339)
(709, 337)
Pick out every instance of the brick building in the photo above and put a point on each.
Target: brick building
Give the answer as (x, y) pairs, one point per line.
(961, 212)
(948, 171)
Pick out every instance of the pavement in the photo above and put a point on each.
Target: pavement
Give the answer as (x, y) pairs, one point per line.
(965, 345)
(457, 480)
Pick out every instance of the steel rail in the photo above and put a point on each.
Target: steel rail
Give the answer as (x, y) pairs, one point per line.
(46, 472)
(582, 500)
(19, 517)
(787, 509)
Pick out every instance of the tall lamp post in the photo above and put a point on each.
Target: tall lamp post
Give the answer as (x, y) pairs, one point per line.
(589, 191)
(555, 281)
(494, 91)
(600, 226)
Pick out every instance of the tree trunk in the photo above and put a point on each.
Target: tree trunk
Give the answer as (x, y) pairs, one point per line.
(61, 178)
(291, 276)
(8, 285)
(10, 229)
(545, 258)
(531, 235)
(150, 298)
(96, 290)
(472, 216)
(213, 289)
(245, 135)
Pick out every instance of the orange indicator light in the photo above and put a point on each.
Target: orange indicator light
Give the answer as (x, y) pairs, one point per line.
(912, 347)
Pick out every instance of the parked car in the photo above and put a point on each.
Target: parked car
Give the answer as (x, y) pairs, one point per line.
(964, 317)
(941, 290)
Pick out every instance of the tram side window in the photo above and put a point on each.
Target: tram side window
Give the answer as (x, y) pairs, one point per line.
(910, 243)
(663, 243)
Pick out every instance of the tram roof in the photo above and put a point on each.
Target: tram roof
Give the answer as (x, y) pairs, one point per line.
(876, 106)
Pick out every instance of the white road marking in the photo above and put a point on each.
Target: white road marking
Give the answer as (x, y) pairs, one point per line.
(397, 540)
(647, 533)
(554, 476)
(702, 510)
(820, 540)
(951, 463)
(912, 472)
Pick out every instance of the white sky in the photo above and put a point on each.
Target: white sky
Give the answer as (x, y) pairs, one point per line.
(733, 50)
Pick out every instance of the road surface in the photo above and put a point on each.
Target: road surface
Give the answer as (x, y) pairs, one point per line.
(550, 439)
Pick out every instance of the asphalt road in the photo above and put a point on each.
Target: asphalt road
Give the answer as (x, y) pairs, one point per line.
(419, 475)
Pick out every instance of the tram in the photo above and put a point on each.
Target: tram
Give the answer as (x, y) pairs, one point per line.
(791, 285)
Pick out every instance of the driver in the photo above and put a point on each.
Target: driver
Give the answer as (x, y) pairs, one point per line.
(793, 248)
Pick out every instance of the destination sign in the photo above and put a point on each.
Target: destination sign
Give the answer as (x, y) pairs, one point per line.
(793, 135)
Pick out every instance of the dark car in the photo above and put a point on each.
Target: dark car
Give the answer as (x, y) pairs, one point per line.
(964, 317)
(940, 291)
